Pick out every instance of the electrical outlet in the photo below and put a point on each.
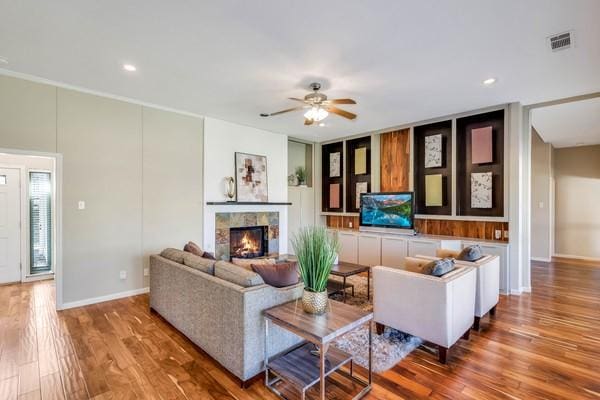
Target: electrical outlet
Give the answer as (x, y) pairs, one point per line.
(349, 224)
(498, 234)
(505, 234)
(81, 205)
(123, 275)
(146, 271)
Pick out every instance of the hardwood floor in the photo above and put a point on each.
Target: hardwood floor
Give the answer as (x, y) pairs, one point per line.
(545, 345)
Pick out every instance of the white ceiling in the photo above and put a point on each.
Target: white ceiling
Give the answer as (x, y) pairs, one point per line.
(403, 61)
(569, 124)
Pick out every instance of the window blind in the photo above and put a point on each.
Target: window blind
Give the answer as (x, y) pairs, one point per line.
(40, 217)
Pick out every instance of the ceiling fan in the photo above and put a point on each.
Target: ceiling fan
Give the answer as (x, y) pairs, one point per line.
(318, 106)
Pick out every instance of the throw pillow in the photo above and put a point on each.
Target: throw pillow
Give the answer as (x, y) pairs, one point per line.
(199, 263)
(278, 275)
(247, 262)
(193, 248)
(470, 253)
(237, 275)
(175, 255)
(439, 267)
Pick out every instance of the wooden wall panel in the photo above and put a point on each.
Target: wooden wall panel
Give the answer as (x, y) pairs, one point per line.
(468, 229)
(395, 161)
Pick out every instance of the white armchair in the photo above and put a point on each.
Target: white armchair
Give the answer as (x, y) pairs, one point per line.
(438, 310)
(488, 282)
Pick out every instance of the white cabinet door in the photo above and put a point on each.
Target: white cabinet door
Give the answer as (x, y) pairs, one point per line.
(393, 251)
(10, 226)
(301, 213)
(369, 250)
(502, 252)
(420, 247)
(348, 247)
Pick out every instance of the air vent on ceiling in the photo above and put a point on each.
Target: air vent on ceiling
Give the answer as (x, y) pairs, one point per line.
(561, 41)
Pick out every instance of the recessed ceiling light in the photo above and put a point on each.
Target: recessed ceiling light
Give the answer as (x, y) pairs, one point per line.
(129, 67)
(489, 81)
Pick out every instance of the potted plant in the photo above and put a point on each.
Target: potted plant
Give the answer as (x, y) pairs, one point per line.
(301, 175)
(316, 251)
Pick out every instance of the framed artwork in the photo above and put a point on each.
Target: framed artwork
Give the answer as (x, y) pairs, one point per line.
(360, 161)
(434, 196)
(481, 145)
(251, 177)
(334, 165)
(481, 190)
(361, 187)
(433, 151)
(334, 195)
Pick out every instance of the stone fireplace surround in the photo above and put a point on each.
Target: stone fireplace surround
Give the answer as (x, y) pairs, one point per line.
(226, 220)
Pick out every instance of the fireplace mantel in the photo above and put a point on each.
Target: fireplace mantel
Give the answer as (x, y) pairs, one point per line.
(246, 203)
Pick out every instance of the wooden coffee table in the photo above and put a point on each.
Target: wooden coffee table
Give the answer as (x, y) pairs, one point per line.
(344, 270)
(298, 366)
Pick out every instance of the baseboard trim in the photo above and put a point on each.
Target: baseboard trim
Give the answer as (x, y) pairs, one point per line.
(516, 292)
(526, 289)
(101, 299)
(578, 258)
(541, 259)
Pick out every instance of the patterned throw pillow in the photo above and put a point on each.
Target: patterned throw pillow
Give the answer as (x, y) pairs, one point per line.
(470, 253)
(439, 267)
(193, 248)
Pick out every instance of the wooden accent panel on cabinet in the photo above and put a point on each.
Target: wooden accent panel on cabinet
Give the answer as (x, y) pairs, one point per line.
(468, 229)
(342, 222)
(395, 161)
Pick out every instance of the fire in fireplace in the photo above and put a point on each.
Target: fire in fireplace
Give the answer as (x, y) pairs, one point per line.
(248, 242)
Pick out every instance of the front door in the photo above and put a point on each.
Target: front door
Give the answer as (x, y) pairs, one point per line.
(10, 225)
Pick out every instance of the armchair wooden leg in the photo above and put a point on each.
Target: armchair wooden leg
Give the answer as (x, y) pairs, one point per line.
(476, 323)
(467, 335)
(442, 354)
(493, 311)
(379, 328)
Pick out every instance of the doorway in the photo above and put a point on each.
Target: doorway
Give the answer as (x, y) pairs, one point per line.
(10, 225)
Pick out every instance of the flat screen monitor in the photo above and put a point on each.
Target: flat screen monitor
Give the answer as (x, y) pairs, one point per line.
(387, 210)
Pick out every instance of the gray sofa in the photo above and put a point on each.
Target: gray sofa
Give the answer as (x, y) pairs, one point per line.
(221, 317)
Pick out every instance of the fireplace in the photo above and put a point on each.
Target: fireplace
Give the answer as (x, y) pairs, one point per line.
(248, 241)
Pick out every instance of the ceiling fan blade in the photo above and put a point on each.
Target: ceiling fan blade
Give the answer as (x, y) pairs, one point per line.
(339, 101)
(296, 99)
(286, 110)
(308, 121)
(340, 112)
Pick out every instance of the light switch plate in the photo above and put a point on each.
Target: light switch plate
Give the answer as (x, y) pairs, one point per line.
(146, 271)
(349, 224)
(498, 234)
(81, 205)
(505, 234)
(123, 275)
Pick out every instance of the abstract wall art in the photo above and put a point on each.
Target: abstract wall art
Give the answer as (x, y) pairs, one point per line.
(334, 165)
(251, 177)
(433, 191)
(334, 195)
(481, 190)
(360, 161)
(481, 145)
(433, 151)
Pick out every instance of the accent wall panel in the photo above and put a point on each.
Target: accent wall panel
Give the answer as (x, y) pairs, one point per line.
(395, 161)
(433, 168)
(480, 165)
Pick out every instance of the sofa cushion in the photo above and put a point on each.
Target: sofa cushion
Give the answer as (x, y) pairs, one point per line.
(278, 275)
(439, 267)
(247, 262)
(470, 253)
(199, 263)
(236, 274)
(193, 248)
(175, 255)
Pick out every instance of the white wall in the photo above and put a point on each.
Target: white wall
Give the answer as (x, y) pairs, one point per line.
(541, 201)
(139, 170)
(577, 214)
(296, 156)
(221, 140)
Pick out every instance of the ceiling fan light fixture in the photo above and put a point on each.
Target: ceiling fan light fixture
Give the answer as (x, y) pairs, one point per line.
(316, 114)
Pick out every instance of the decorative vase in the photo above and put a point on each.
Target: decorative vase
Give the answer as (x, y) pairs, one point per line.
(229, 188)
(314, 302)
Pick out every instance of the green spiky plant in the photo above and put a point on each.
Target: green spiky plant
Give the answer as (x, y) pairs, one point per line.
(300, 175)
(316, 251)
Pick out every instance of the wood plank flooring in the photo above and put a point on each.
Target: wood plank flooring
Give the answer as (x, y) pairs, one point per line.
(545, 345)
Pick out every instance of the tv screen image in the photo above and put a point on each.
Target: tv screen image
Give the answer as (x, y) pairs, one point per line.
(389, 210)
